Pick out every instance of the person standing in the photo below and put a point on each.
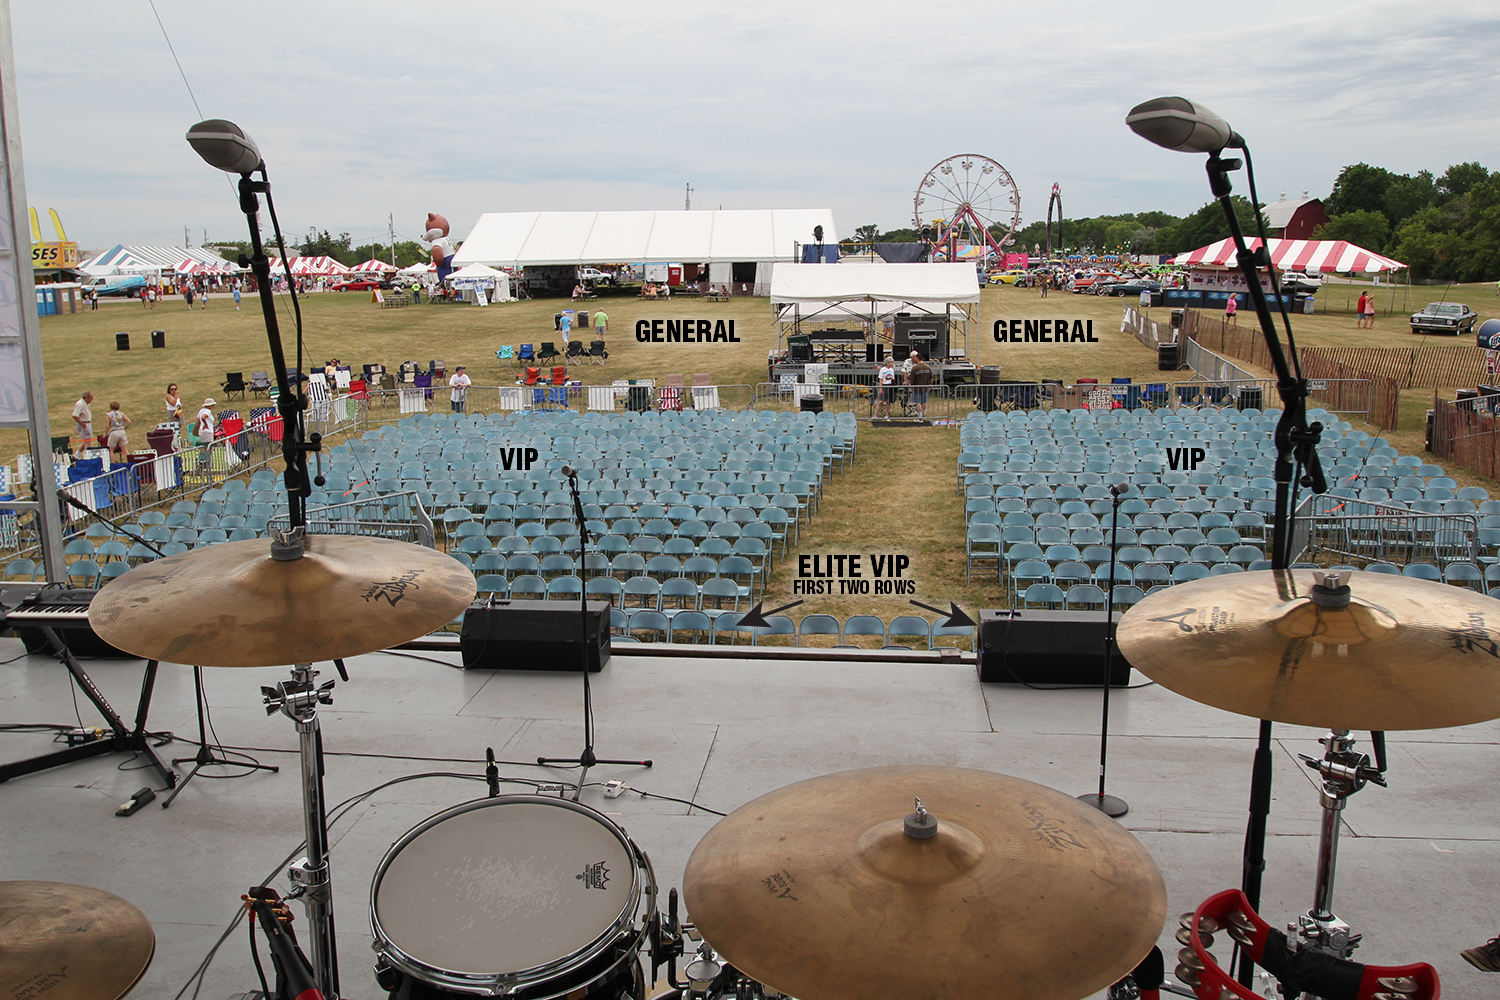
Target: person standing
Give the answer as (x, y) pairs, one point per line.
(601, 324)
(203, 424)
(83, 420)
(1359, 310)
(567, 327)
(919, 379)
(115, 423)
(1232, 310)
(174, 404)
(886, 379)
(236, 296)
(1369, 311)
(459, 385)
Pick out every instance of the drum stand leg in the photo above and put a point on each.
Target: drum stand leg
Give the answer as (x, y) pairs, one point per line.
(298, 700)
(1344, 772)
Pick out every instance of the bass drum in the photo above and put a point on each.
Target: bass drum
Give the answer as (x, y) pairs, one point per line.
(517, 896)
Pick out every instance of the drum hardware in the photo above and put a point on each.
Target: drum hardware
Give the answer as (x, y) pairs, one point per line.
(1344, 772)
(1294, 967)
(310, 876)
(294, 974)
(70, 942)
(586, 759)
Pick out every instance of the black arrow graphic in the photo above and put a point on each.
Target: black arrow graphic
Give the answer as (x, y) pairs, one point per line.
(755, 618)
(956, 617)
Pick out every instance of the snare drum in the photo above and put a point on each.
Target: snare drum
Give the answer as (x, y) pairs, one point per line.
(516, 896)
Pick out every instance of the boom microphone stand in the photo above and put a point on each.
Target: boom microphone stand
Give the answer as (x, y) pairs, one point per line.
(205, 755)
(586, 759)
(1109, 805)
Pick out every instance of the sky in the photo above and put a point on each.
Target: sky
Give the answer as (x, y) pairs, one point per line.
(370, 110)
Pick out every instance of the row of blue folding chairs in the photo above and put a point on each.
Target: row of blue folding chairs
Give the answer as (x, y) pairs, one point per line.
(658, 626)
(623, 565)
(1152, 574)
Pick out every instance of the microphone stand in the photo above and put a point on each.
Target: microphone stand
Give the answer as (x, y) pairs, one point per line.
(586, 759)
(1295, 440)
(1109, 805)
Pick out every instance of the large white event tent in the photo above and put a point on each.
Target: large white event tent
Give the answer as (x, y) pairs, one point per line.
(717, 238)
(122, 259)
(872, 293)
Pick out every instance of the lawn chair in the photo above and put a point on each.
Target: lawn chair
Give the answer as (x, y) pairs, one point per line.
(524, 353)
(260, 383)
(506, 353)
(597, 353)
(547, 352)
(234, 382)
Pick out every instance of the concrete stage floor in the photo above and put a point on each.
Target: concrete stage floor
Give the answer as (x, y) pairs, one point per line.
(1418, 872)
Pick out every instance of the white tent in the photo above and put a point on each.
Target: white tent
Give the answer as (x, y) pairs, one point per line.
(483, 276)
(536, 239)
(873, 294)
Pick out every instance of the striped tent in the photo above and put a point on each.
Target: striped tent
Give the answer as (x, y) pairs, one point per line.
(313, 267)
(197, 267)
(373, 266)
(1296, 255)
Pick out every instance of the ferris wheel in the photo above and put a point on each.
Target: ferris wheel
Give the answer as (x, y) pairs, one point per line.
(962, 199)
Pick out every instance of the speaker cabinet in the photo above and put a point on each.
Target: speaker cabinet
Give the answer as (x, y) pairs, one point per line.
(533, 635)
(1046, 647)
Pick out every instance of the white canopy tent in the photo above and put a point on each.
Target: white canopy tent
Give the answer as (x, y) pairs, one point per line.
(873, 294)
(718, 239)
(481, 276)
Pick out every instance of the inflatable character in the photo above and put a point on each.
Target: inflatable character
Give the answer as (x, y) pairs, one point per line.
(436, 240)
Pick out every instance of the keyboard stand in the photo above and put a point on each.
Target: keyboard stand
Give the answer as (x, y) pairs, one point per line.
(118, 740)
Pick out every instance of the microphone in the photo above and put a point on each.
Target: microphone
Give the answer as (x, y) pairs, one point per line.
(224, 145)
(569, 472)
(1177, 123)
(1119, 489)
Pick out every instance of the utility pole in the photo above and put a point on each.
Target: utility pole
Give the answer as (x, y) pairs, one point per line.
(186, 241)
(687, 202)
(390, 225)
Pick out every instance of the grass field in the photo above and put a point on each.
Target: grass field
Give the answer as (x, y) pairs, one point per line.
(899, 498)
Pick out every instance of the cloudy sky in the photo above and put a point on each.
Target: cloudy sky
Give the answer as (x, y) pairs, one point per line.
(364, 109)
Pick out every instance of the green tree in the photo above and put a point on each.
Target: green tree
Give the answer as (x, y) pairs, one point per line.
(1405, 196)
(1367, 229)
(1205, 226)
(866, 234)
(1460, 177)
(1359, 188)
(321, 244)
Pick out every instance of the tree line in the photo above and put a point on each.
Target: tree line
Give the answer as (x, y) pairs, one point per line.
(321, 243)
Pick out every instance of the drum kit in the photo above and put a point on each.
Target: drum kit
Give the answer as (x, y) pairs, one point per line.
(903, 881)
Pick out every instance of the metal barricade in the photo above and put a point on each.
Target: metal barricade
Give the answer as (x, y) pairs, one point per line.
(399, 515)
(1383, 532)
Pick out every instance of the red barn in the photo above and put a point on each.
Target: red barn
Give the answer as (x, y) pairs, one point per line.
(1294, 218)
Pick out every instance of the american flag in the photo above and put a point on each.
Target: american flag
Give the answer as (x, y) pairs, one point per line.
(260, 417)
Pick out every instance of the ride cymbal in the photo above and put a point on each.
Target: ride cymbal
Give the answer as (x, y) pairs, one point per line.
(818, 890)
(1400, 654)
(70, 942)
(232, 605)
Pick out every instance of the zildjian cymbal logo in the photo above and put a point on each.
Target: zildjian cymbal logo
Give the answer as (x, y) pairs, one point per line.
(1179, 619)
(393, 590)
(594, 876)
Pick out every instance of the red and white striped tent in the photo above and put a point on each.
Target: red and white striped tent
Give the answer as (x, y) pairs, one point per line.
(197, 267)
(373, 266)
(1296, 255)
(313, 267)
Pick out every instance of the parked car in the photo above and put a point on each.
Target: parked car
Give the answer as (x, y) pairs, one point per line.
(1123, 288)
(355, 285)
(1444, 317)
(1007, 277)
(1296, 282)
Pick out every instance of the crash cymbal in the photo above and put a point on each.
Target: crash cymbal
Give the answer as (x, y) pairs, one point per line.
(70, 942)
(1403, 653)
(232, 605)
(818, 890)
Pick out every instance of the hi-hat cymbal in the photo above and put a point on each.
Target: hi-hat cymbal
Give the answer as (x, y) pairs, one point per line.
(232, 605)
(70, 942)
(1404, 653)
(817, 889)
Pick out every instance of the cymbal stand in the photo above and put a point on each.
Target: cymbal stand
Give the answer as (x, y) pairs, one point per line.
(298, 700)
(1344, 772)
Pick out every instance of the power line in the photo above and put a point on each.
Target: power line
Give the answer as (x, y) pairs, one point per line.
(172, 50)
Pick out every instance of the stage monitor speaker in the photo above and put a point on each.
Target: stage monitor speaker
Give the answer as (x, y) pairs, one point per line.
(533, 635)
(1031, 646)
(874, 353)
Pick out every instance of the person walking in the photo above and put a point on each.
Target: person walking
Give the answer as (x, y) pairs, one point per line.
(1369, 311)
(1232, 310)
(1359, 310)
(601, 323)
(458, 385)
(187, 293)
(115, 423)
(83, 420)
(236, 296)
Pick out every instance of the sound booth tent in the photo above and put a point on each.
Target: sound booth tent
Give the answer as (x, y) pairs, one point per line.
(872, 294)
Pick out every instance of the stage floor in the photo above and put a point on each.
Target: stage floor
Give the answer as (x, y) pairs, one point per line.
(1417, 874)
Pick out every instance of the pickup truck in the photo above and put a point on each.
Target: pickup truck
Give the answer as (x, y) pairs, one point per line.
(128, 285)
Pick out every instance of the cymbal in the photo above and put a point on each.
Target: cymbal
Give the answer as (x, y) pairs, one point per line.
(1404, 654)
(70, 942)
(817, 890)
(232, 605)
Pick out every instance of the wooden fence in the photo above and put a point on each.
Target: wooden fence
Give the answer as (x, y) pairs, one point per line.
(1463, 433)
(1338, 366)
(1417, 367)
